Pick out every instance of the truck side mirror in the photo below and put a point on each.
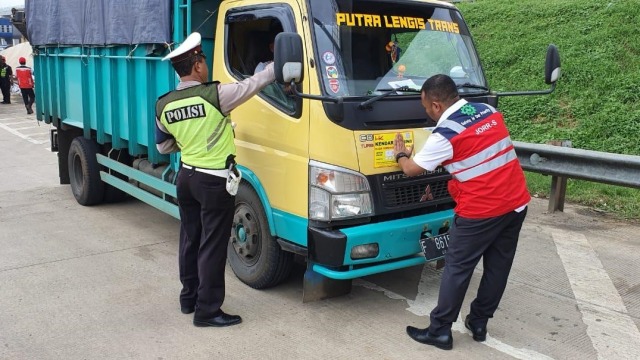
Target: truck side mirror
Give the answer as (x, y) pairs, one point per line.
(552, 65)
(287, 58)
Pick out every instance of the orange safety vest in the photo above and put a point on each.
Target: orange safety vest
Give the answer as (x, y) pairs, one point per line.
(487, 178)
(25, 81)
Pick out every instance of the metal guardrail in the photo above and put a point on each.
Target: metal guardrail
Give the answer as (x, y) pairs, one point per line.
(563, 163)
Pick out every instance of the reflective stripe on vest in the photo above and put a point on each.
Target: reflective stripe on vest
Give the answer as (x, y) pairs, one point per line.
(480, 157)
(217, 133)
(486, 167)
(452, 125)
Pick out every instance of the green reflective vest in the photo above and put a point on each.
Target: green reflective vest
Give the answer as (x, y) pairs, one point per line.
(193, 117)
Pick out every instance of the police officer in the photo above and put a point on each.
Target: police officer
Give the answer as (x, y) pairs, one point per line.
(6, 80)
(472, 142)
(194, 119)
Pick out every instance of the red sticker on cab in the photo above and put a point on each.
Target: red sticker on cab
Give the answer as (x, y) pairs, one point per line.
(334, 85)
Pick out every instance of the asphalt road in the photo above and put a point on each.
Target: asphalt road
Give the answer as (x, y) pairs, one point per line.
(101, 283)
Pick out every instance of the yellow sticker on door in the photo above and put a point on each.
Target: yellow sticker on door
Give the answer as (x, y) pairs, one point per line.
(383, 148)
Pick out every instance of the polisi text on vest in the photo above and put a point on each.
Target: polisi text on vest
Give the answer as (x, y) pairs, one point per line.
(185, 113)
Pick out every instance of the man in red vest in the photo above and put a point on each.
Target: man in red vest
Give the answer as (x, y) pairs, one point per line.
(25, 82)
(472, 142)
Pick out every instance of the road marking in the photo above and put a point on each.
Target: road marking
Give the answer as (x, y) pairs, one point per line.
(17, 133)
(34, 134)
(19, 122)
(426, 300)
(613, 333)
(25, 127)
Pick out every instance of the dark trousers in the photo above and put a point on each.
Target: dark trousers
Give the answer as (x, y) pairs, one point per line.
(206, 213)
(5, 86)
(28, 96)
(493, 239)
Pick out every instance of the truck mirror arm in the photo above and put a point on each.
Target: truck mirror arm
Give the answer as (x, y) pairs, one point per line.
(337, 100)
(518, 93)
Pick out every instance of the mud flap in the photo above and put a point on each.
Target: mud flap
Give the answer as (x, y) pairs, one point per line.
(318, 287)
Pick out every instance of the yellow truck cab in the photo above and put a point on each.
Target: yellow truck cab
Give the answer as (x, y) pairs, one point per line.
(319, 178)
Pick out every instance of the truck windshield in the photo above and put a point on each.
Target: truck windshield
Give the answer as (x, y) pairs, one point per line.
(366, 47)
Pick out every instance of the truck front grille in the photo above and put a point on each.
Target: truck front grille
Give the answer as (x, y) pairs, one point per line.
(424, 191)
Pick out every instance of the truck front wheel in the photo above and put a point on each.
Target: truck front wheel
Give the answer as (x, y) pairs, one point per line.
(84, 172)
(254, 255)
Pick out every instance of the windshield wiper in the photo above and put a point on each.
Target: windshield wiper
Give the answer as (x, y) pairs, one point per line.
(473, 86)
(386, 93)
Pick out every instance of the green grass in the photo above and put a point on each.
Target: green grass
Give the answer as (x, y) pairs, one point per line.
(597, 102)
(621, 202)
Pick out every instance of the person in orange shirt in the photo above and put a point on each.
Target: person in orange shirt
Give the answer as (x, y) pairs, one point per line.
(24, 74)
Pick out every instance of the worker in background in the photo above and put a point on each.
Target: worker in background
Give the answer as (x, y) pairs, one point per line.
(194, 119)
(6, 80)
(472, 142)
(24, 74)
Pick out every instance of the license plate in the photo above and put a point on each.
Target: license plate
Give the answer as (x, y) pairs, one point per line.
(435, 247)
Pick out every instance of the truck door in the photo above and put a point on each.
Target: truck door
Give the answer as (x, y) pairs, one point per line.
(272, 130)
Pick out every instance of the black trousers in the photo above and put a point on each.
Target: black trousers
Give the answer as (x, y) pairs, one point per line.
(206, 213)
(493, 239)
(5, 86)
(28, 96)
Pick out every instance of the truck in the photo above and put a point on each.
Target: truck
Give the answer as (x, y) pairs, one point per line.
(320, 182)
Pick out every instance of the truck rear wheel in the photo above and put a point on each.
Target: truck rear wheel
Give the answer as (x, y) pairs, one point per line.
(254, 255)
(84, 172)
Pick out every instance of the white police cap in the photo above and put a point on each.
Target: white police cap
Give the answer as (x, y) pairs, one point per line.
(190, 47)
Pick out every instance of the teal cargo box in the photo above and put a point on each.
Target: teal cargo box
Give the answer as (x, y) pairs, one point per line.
(97, 80)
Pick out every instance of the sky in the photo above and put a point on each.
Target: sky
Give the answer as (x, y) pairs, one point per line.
(8, 3)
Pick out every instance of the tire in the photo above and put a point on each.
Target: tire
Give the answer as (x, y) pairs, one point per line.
(254, 255)
(84, 172)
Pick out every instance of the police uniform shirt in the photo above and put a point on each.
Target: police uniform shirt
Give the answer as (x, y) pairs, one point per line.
(230, 96)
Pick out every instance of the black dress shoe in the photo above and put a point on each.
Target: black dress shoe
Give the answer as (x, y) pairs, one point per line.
(444, 342)
(219, 320)
(187, 309)
(479, 333)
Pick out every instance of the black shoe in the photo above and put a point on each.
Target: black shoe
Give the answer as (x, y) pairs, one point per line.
(479, 333)
(187, 309)
(444, 342)
(219, 320)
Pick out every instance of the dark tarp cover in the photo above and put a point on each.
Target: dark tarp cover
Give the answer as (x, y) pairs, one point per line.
(98, 22)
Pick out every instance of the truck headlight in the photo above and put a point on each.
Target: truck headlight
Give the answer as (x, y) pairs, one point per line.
(337, 193)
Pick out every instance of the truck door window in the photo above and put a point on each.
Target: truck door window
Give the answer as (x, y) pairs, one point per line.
(250, 37)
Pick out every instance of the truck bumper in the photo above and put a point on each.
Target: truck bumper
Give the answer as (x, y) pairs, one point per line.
(397, 241)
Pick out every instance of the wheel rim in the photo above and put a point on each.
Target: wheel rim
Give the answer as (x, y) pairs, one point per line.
(77, 179)
(245, 237)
